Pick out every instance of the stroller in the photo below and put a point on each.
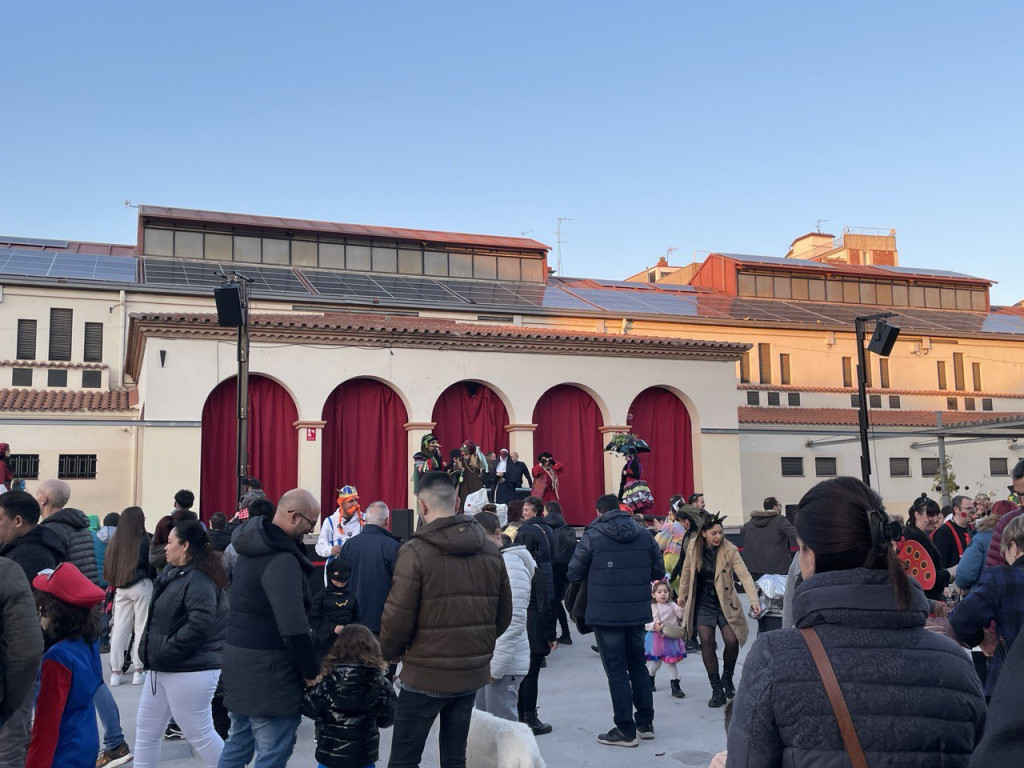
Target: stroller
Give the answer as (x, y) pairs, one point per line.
(772, 589)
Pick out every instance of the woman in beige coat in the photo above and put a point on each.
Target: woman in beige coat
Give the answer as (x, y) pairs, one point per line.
(707, 594)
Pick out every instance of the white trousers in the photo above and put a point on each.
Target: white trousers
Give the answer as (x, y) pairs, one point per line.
(131, 609)
(186, 696)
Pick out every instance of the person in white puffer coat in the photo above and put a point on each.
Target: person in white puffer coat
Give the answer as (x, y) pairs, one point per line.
(511, 659)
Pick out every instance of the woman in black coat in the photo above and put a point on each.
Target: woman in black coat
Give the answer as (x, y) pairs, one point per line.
(540, 630)
(913, 696)
(182, 646)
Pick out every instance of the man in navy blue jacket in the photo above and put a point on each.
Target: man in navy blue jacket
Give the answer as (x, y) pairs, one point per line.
(371, 556)
(620, 559)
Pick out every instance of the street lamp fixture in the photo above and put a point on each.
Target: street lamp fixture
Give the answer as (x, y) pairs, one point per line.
(882, 341)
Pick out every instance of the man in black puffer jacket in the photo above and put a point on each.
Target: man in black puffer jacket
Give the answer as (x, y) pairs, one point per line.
(32, 546)
(620, 559)
(269, 651)
(70, 524)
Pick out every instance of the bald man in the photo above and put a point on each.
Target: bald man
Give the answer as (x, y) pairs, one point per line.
(268, 653)
(70, 524)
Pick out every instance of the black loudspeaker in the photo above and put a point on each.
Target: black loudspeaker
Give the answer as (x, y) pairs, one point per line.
(401, 523)
(229, 305)
(883, 339)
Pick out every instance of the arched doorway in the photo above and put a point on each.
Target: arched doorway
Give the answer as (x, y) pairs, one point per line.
(568, 426)
(364, 444)
(660, 417)
(468, 410)
(273, 446)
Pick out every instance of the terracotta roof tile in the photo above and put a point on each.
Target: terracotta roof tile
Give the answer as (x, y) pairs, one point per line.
(42, 400)
(438, 326)
(848, 417)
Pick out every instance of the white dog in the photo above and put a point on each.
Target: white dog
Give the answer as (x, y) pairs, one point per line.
(497, 743)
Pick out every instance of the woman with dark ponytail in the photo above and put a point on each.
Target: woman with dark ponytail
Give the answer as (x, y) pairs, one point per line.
(912, 695)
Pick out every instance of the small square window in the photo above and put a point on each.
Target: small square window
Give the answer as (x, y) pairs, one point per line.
(855, 401)
(894, 401)
(899, 467)
(794, 398)
(792, 466)
(825, 466)
(773, 398)
(92, 379)
(998, 467)
(951, 404)
(875, 401)
(57, 378)
(986, 403)
(21, 377)
(969, 404)
(929, 467)
(753, 397)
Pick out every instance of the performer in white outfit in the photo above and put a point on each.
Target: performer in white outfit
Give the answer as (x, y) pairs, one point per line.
(346, 522)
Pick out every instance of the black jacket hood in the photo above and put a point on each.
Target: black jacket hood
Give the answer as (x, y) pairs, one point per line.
(260, 537)
(619, 526)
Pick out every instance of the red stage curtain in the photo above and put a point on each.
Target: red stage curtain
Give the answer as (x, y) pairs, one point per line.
(273, 446)
(660, 418)
(470, 411)
(568, 423)
(365, 445)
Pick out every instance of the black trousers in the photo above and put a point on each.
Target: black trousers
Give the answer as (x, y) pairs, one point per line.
(528, 688)
(414, 716)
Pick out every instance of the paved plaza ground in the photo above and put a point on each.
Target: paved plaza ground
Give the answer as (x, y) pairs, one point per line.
(574, 699)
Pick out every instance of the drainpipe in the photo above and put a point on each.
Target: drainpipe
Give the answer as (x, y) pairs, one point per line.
(122, 305)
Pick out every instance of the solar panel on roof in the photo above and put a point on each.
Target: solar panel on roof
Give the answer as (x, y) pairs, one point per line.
(174, 273)
(72, 266)
(39, 241)
(920, 271)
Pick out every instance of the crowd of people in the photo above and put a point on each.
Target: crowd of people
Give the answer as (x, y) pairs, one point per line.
(897, 643)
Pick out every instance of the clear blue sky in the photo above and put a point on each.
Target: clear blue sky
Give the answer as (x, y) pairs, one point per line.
(695, 125)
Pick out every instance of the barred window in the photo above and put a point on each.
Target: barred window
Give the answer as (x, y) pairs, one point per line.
(76, 465)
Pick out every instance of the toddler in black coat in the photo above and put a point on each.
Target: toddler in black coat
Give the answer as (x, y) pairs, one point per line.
(333, 607)
(350, 701)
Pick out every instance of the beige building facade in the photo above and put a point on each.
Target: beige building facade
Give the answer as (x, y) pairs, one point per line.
(112, 354)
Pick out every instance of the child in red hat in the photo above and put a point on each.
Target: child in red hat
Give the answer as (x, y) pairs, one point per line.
(64, 732)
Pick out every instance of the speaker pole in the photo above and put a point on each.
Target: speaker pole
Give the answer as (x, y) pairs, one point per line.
(242, 445)
(862, 410)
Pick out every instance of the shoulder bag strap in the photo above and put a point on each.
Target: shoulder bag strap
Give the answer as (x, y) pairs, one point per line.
(835, 697)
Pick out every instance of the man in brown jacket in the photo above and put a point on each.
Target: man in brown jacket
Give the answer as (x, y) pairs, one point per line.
(449, 601)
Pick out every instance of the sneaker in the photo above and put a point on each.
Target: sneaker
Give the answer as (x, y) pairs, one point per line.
(173, 732)
(139, 677)
(565, 639)
(645, 731)
(119, 755)
(116, 678)
(616, 738)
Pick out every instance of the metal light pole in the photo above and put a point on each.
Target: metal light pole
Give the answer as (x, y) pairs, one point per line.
(862, 410)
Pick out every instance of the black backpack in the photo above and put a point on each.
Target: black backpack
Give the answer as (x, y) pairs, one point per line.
(565, 544)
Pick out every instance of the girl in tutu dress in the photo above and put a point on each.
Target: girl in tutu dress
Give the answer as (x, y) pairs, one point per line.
(658, 648)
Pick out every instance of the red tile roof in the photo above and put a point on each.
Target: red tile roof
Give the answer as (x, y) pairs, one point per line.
(357, 230)
(37, 400)
(848, 417)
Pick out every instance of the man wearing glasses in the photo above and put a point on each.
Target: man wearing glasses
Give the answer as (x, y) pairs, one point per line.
(952, 537)
(268, 653)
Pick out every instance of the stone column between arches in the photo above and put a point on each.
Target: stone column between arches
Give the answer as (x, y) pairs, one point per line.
(612, 461)
(415, 432)
(310, 462)
(520, 440)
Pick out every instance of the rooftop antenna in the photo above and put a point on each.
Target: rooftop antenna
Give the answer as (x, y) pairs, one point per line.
(525, 233)
(558, 236)
(129, 204)
(669, 251)
(820, 222)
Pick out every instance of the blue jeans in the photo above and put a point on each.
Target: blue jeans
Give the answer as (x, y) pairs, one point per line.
(110, 716)
(271, 738)
(414, 716)
(622, 654)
